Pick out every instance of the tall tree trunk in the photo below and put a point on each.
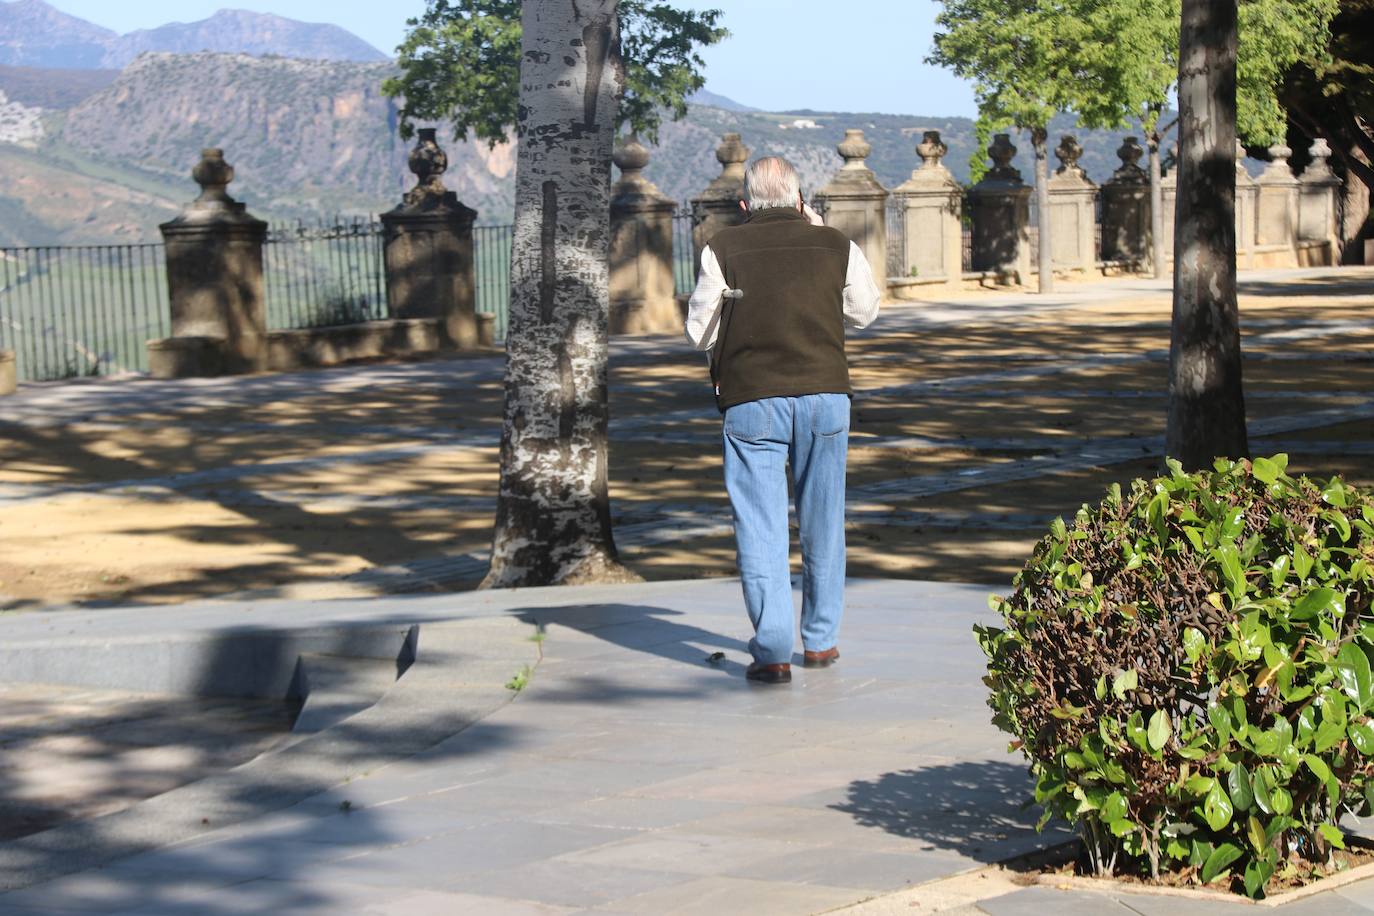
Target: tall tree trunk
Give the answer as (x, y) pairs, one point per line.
(1206, 400)
(553, 518)
(1045, 262)
(1156, 206)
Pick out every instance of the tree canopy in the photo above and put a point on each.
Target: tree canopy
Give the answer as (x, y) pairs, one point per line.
(1112, 61)
(460, 62)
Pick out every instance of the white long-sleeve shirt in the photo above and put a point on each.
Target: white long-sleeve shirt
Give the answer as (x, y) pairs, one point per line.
(861, 297)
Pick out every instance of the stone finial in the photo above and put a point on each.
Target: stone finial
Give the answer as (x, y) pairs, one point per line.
(1069, 151)
(732, 154)
(1278, 167)
(1319, 168)
(932, 150)
(1001, 152)
(854, 149)
(214, 176)
(631, 157)
(428, 162)
(1130, 172)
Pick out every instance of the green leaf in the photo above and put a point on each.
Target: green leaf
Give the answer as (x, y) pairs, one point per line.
(1317, 766)
(1125, 682)
(1362, 736)
(1282, 801)
(1332, 834)
(1193, 644)
(1122, 827)
(1238, 785)
(1217, 862)
(1279, 570)
(1260, 786)
(1341, 523)
(1254, 832)
(1302, 562)
(1217, 808)
(1229, 560)
(1329, 734)
(1161, 729)
(1135, 731)
(1354, 674)
(1265, 471)
(1114, 809)
(1257, 875)
(1316, 601)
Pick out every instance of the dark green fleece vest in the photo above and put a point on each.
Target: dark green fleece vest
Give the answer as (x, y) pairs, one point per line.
(785, 338)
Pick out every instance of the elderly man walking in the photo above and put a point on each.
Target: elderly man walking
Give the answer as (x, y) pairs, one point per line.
(771, 304)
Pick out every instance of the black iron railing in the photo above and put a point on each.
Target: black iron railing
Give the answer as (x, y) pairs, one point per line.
(491, 268)
(82, 310)
(322, 275)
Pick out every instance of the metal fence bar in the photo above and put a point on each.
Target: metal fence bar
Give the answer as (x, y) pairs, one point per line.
(684, 265)
(82, 310)
(491, 251)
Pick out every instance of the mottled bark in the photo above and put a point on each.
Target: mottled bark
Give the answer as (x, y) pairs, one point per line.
(1206, 401)
(1045, 259)
(1156, 208)
(553, 518)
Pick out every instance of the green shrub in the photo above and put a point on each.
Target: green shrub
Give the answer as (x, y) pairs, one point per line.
(1187, 669)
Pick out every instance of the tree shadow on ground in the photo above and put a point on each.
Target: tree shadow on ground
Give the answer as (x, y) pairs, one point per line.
(974, 808)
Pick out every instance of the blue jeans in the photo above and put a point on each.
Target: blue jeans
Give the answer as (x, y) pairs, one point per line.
(760, 437)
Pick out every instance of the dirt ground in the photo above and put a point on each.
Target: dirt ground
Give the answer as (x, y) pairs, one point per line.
(118, 492)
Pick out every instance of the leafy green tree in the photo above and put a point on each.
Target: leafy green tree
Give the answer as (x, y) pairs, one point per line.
(1330, 94)
(1016, 56)
(1026, 56)
(460, 62)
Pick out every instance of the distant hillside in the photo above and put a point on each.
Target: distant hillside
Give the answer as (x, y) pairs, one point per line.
(242, 32)
(53, 89)
(34, 34)
(310, 138)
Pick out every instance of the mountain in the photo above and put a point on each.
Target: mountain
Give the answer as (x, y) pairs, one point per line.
(91, 159)
(705, 97)
(34, 34)
(243, 32)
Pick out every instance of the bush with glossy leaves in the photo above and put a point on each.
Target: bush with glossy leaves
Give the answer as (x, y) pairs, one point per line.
(1187, 668)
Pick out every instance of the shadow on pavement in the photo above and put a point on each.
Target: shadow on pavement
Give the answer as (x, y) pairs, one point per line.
(974, 808)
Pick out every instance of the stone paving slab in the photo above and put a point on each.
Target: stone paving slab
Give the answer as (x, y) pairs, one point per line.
(632, 775)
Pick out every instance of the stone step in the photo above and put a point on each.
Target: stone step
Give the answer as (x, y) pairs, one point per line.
(335, 687)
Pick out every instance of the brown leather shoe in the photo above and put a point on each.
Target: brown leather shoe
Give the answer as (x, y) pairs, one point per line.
(820, 659)
(769, 674)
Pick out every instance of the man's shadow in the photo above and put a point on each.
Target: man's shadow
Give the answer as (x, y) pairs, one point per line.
(646, 629)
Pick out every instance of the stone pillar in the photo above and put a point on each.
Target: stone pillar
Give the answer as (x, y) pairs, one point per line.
(641, 248)
(1073, 229)
(855, 202)
(999, 206)
(718, 206)
(1247, 197)
(1168, 191)
(428, 252)
(932, 234)
(214, 280)
(9, 378)
(1277, 215)
(1317, 189)
(1126, 208)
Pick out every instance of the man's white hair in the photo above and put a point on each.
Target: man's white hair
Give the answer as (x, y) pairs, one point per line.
(771, 182)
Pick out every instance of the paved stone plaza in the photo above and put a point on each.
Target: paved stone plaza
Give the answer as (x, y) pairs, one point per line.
(979, 418)
(634, 773)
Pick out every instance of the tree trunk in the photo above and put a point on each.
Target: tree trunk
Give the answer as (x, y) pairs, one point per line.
(1206, 400)
(1157, 256)
(1045, 262)
(553, 518)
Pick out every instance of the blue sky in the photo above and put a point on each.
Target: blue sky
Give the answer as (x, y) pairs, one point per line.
(857, 55)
